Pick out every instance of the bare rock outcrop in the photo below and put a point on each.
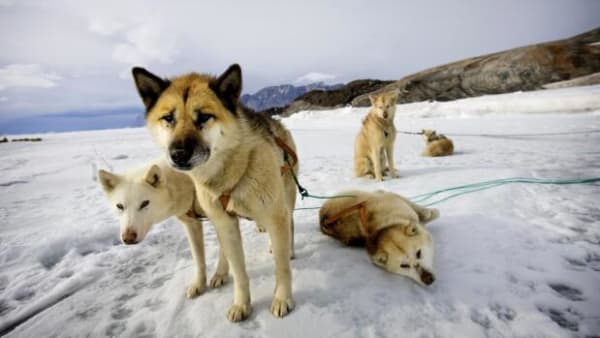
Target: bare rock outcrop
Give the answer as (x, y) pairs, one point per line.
(519, 69)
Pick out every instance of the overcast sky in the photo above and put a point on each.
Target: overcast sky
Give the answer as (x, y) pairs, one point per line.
(71, 55)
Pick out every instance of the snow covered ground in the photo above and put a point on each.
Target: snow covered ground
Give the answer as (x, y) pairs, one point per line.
(517, 260)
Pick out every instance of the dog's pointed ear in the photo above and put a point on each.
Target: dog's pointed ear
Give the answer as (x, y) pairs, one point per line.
(228, 87)
(108, 180)
(149, 86)
(380, 258)
(154, 176)
(373, 99)
(393, 96)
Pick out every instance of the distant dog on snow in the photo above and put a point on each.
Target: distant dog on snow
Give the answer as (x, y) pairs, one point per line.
(374, 145)
(436, 145)
(391, 227)
(146, 196)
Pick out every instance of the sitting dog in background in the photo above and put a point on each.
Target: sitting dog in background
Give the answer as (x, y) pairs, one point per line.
(149, 195)
(374, 145)
(391, 227)
(436, 145)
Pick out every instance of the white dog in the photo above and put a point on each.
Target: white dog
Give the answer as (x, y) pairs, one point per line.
(146, 196)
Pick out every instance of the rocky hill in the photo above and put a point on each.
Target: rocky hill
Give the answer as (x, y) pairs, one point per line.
(280, 96)
(320, 99)
(519, 69)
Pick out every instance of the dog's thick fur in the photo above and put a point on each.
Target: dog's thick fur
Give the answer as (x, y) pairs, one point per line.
(395, 235)
(436, 145)
(149, 195)
(374, 144)
(227, 151)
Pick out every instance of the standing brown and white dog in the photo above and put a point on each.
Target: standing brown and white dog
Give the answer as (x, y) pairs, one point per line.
(374, 145)
(240, 164)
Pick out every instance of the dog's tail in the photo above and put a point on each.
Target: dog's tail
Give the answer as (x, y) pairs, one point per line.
(433, 215)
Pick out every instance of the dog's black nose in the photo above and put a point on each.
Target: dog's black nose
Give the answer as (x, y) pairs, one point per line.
(181, 151)
(181, 156)
(427, 277)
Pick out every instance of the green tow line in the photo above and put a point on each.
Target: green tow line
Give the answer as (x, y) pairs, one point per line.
(470, 188)
(426, 199)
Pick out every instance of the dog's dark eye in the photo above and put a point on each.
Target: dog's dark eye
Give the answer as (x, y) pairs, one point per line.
(405, 266)
(144, 204)
(169, 118)
(418, 254)
(120, 206)
(202, 117)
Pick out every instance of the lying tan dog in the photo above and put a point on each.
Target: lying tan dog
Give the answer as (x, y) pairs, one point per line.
(374, 145)
(391, 227)
(436, 145)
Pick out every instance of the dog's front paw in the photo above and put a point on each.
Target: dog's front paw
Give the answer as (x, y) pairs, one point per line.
(281, 307)
(195, 290)
(238, 313)
(394, 173)
(218, 280)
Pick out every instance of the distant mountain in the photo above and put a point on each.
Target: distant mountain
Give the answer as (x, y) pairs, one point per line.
(280, 96)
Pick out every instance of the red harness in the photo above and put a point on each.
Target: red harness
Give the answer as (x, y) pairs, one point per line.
(288, 166)
(362, 209)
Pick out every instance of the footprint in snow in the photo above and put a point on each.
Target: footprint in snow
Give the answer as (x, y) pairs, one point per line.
(120, 313)
(158, 282)
(115, 329)
(145, 330)
(88, 312)
(567, 291)
(503, 312)
(24, 294)
(5, 307)
(567, 319)
(480, 319)
(154, 304)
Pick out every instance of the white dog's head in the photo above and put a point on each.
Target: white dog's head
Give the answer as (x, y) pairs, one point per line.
(140, 199)
(410, 256)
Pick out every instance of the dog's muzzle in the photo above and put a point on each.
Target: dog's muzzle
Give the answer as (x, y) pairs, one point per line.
(186, 158)
(180, 157)
(426, 277)
(181, 153)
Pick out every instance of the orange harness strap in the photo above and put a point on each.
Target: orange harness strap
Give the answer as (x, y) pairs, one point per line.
(192, 212)
(289, 152)
(226, 196)
(224, 199)
(362, 209)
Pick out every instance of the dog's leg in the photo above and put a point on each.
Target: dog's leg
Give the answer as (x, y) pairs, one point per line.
(389, 151)
(292, 253)
(376, 161)
(292, 230)
(222, 273)
(228, 231)
(278, 227)
(195, 235)
(363, 167)
(426, 215)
